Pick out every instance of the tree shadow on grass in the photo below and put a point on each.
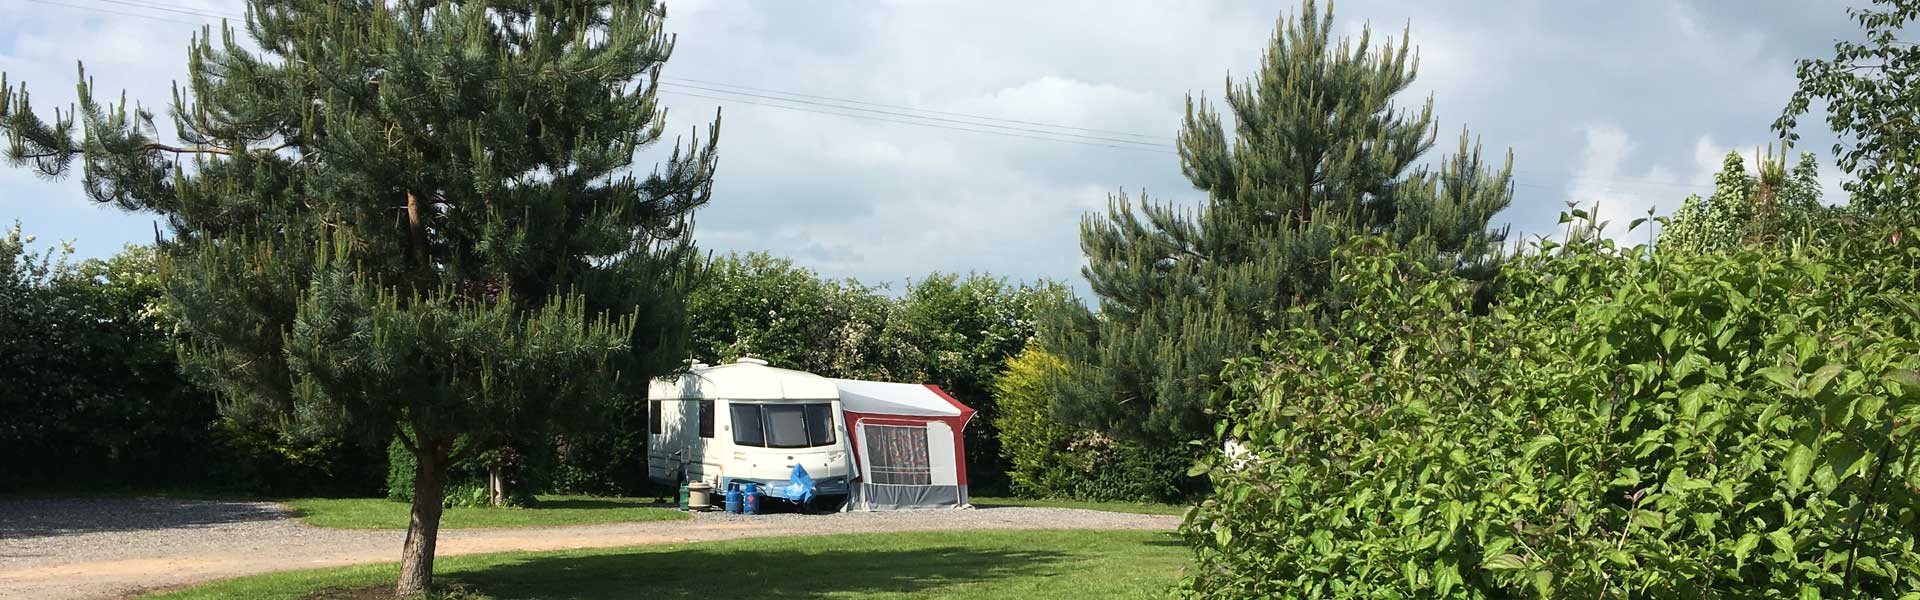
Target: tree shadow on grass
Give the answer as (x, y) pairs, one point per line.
(784, 574)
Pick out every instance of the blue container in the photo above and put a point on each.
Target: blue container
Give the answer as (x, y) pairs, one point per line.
(733, 500)
(750, 501)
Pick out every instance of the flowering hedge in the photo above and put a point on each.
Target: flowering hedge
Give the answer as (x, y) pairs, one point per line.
(1617, 424)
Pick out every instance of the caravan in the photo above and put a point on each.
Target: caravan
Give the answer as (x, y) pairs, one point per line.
(880, 446)
(746, 422)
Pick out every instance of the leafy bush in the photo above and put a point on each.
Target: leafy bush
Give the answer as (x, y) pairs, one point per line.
(467, 485)
(93, 394)
(400, 470)
(1124, 471)
(1769, 207)
(82, 358)
(1619, 425)
(1050, 459)
(259, 460)
(613, 463)
(1038, 447)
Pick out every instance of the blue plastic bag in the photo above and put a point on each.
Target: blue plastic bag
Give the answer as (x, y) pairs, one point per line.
(799, 486)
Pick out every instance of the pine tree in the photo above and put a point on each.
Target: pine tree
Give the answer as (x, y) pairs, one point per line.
(414, 219)
(1319, 152)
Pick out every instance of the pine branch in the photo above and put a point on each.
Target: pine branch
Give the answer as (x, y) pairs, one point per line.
(153, 147)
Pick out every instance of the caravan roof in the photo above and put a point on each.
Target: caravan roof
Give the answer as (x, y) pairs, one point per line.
(744, 379)
(878, 397)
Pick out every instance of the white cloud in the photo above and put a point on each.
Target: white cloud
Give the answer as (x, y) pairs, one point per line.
(885, 202)
(1617, 194)
(1602, 177)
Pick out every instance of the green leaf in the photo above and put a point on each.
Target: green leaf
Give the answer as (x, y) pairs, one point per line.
(1538, 443)
(1872, 565)
(1687, 365)
(1823, 376)
(1910, 307)
(1690, 403)
(1908, 379)
(1847, 458)
(1799, 463)
(1785, 377)
(1504, 562)
(1445, 577)
(1199, 468)
(1543, 583)
(1743, 547)
(1782, 540)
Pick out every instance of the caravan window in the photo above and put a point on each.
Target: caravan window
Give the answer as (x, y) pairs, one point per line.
(820, 424)
(746, 425)
(898, 455)
(783, 425)
(786, 425)
(706, 418)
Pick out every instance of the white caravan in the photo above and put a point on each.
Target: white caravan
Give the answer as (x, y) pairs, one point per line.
(747, 421)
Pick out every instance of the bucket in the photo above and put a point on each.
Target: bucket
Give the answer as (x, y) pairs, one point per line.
(750, 499)
(733, 500)
(700, 496)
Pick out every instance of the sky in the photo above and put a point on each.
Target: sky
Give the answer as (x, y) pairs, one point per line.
(1629, 104)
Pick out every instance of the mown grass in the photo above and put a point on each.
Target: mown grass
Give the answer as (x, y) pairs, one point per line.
(1122, 507)
(1029, 565)
(381, 513)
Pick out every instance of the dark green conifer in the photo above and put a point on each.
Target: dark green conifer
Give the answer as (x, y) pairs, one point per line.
(1318, 152)
(413, 218)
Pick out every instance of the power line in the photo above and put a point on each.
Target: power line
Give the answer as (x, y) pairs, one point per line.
(172, 9)
(914, 116)
(1622, 186)
(925, 110)
(920, 124)
(114, 12)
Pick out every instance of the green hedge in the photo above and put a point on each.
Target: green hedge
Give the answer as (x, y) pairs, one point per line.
(93, 396)
(1050, 459)
(1619, 425)
(467, 485)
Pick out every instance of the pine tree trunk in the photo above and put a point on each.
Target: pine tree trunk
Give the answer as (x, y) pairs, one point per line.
(417, 231)
(429, 492)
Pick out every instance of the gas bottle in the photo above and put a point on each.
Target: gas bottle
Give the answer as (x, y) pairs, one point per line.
(750, 499)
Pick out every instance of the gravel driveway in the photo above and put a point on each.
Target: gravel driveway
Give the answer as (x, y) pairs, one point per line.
(105, 548)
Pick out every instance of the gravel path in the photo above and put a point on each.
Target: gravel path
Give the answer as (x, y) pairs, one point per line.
(104, 548)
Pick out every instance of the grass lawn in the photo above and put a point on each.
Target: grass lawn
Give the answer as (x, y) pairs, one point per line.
(1029, 565)
(381, 513)
(1124, 507)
